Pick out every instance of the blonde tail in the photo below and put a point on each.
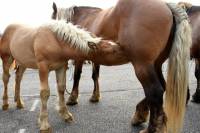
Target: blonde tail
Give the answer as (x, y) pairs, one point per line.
(177, 79)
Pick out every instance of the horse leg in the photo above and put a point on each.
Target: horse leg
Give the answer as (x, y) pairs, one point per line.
(196, 96)
(7, 61)
(95, 76)
(61, 82)
(18, 77)
(153, 89)
(73, 99)
(44, 96)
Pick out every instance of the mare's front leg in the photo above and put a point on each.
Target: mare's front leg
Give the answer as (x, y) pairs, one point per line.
(7, 61)
(95, 76)
(73, 99)
(44, 96)
(61, 83)
(18, 77)
(153, 89)
(196, 96)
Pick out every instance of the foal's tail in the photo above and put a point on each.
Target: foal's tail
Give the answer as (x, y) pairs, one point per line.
(177, 80)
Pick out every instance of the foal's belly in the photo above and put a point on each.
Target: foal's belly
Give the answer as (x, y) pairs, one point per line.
(23, 54)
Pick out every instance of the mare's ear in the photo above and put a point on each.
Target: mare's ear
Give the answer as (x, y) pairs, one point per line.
(54, 8)
(53, 16)
(92, 45)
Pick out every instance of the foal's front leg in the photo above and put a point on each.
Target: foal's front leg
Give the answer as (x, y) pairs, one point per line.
(44, 96)
(61, 82)
(18, 77)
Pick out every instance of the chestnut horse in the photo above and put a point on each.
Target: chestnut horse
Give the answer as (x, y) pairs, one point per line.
(46, 48)
(194, 15)
(145, 31)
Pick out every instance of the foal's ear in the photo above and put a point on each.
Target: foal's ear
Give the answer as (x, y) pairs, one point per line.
(92, 45)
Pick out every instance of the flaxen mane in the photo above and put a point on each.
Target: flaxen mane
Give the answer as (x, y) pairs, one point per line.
(69, 33)
(185, 5)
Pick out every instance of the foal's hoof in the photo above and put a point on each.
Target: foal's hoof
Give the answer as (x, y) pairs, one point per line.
(69, 118)
(94, 99)
(49, 130)
(72, 100)
(196, 97)
(20, 105)
(5, 107)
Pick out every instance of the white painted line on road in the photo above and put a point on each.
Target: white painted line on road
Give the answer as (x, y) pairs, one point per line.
(22, 131)
(34, 105)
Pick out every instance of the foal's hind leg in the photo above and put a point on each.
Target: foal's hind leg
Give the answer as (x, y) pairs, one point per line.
(18, 77)
(95, 76)
(7, 61)
(73, 99)
(153, 89)
(196, 96)
(61, 82)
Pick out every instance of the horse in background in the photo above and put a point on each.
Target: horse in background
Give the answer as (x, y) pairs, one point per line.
(48, 47)
(194, 15)
(146, 42)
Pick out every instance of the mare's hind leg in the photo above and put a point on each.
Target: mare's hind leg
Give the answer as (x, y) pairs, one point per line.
(153, 89)
(61, 83)
(18, 77)
(7, 61)
(142, 109)
(44, 96)
(95, 76)
(73, 99)
(196, 96)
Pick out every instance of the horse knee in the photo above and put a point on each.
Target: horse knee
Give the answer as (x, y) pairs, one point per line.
(44, 94)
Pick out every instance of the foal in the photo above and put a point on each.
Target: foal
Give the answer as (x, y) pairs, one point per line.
(48, 48)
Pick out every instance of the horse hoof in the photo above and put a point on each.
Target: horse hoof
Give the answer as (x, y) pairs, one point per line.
(5, 107)
(69, 118)
(94, 99)
(49, 130)
(196, 98)
(137, 120)
(20, 106)
(144, 131)
(72, 101)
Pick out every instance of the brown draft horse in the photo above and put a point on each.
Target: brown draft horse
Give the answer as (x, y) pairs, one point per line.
(46, 48)
(145, 32)
(194, 15)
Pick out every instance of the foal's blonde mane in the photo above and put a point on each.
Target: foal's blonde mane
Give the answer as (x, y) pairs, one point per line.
(72, 35)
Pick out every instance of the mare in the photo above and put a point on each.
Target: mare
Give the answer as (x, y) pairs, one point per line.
(47, 47)
(194, 17)
(148, 35)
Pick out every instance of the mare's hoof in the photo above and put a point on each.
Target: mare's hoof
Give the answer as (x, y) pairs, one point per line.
(69, 118)
(196, 97)
(94, 99)
(5, 106)
(138, 119)
(72, 100)
(144, 131)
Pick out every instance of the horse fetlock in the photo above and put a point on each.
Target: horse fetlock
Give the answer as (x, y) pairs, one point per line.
(43, 121)
(196, 96)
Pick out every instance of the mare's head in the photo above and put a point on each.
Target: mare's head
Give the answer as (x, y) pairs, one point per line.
(73, 13)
